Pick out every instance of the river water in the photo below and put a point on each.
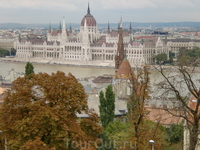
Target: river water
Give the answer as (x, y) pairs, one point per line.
(77, 71)
(80, 71)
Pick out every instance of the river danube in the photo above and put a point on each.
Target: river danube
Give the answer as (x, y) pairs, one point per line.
(77, 71)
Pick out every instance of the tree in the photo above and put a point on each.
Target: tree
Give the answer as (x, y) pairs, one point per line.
(189, 56)
(118, 134)
(140, 92)
(29, 69)
(43, 109)
(107, 112)
(182, 83)
(161, 58)
(143, 129)
(13, 51)
(107, 106)
(175, 133)
(4, 53)
(171, 56)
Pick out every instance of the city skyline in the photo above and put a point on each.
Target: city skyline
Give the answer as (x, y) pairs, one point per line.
(27, 11)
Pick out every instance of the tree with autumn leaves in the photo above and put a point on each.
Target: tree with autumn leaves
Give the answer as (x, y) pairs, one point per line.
(41, 113)
(143, 129)
(137, 129)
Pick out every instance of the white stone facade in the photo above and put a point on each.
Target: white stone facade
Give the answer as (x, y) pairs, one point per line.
(90, 46)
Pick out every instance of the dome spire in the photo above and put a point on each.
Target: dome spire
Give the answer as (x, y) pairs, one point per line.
(88, 11)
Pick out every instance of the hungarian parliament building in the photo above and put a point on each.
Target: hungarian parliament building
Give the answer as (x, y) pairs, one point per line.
(89, 46)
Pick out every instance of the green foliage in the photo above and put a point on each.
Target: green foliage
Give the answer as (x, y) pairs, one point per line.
(171, 56)
(107, 106)
(188, 56)
(4, 53)
(29, 69)
(117, 133)
(161, 58)
(107, 111)
(13, 52)
(175, 133)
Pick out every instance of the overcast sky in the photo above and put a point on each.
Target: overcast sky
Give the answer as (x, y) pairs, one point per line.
(45, 11)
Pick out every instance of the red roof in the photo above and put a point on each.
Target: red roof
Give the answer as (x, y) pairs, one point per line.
(90, 20)
(164, 117)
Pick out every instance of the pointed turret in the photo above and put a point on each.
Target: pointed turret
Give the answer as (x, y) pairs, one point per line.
(49, 28)
(88, 10)
(108, 31)
(60, 27)
(121, 22)
(130, 30)
(63, 26)
(64, 31)
(120, 49)
(142, 41)
(19, 37)
(70, 28)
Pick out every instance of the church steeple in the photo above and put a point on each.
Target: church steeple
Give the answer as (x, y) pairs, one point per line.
(119, 57)
(88, 10)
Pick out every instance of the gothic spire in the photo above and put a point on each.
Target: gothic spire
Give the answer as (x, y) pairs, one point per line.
(49, 28)
(119, 57)
(63, 26)
(60, 27)
(142, 41)
(121, 22)
(88, 11)
(70, 28)
(108, 28)
(19, 37)
(63, 23)
(130, 28)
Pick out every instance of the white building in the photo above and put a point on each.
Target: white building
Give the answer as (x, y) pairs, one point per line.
(90, 47)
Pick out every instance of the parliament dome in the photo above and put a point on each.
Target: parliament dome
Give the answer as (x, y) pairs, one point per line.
(90, 20)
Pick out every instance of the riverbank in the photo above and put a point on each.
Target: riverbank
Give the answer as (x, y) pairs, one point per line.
(89, 64)
(97, 64)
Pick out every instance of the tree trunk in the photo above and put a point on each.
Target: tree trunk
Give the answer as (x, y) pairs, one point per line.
(193, 137)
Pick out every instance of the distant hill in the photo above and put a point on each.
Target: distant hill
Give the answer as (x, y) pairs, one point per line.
(103, 25)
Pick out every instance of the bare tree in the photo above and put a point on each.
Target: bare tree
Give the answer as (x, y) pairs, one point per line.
(182, 83)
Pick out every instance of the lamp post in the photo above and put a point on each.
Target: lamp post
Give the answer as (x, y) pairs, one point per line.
(152, 143)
